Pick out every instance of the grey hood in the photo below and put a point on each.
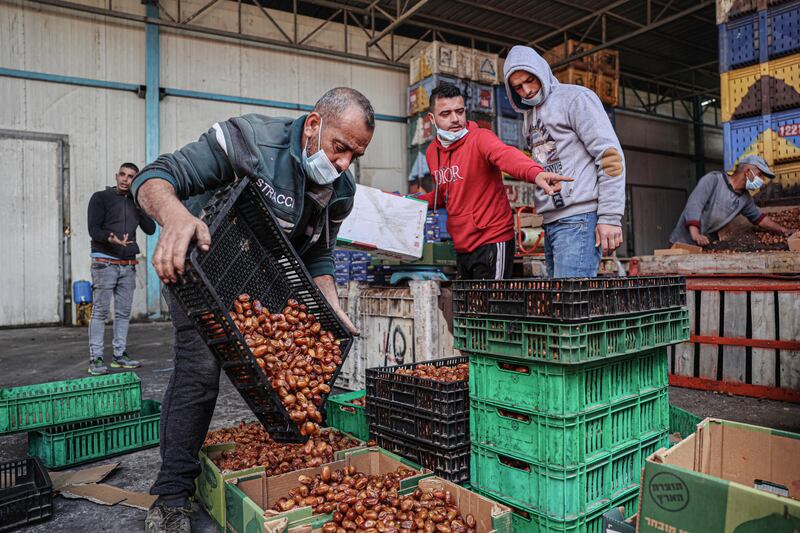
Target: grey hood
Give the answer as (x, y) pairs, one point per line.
(525, 58)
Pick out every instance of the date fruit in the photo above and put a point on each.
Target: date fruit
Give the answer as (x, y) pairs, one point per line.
(256, 448)
(296, 354)
(445, 374)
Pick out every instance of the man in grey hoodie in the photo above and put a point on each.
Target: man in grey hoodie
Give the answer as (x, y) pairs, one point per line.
(568, 132)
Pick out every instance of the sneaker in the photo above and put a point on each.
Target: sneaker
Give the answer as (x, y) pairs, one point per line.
(125, 362)
(165, 519)
(97, 367)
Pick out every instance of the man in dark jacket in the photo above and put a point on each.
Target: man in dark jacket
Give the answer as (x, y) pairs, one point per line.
(113, 219)
(301, 166)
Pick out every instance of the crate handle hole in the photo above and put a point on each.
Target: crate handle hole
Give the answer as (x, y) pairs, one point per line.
(514, 463)
(508, 367)
(505, 413)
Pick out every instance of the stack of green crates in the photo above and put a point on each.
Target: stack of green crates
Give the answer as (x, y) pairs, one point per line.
(78, 421)
(565, 410)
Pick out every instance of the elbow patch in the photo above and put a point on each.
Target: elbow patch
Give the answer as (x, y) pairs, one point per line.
(611, 162)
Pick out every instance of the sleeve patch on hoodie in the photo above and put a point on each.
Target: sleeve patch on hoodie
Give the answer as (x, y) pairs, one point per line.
(611, 162)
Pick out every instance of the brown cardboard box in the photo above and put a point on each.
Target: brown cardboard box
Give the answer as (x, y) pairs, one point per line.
(490, 516)
(727, 477)
(249, 500)
(794, 242)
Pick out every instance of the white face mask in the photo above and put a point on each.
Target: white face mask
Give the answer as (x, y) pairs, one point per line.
(318, 167)
(450, 137)
(755, 183)
(537, 99)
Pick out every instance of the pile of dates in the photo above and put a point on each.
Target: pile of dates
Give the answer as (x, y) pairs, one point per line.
(295, 353)
(445, 374)
(361, 402)
(371, 504)
(244, 433)
(331, 490)
(279, 458)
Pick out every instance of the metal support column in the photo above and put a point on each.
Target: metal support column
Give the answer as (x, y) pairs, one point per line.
(699, 139)
(152, 146)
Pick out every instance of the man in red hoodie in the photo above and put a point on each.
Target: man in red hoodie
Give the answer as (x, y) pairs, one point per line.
(467, 163)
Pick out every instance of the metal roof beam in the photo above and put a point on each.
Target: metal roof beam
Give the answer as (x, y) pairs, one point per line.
(634, 33)
(630, 22)
(396, 22)
(496, 39)
(575, 22)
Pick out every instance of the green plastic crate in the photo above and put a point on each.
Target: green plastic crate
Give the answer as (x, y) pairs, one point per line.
(59, 402)
(566, 390)
(347, 417)
(84, 442)
(529, 521)
(570, 343)
(567, 442)
(561, 493)
(682, 422)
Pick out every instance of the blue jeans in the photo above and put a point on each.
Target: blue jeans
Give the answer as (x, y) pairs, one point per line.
(569, 248)
(110, 280)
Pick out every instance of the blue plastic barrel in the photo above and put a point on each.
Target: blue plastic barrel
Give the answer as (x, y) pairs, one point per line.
(82, 292)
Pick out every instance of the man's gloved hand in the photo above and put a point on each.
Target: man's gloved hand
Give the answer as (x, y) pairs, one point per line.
(611, 162)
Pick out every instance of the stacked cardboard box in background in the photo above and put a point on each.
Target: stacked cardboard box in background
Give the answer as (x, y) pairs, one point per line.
(473, 71)
(598, 71)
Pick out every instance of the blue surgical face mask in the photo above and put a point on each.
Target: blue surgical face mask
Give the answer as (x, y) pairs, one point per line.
(755, 183)
(318, 167)
(450, 137)
(537, 99)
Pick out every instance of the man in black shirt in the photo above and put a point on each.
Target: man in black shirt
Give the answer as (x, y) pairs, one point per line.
(113, 219)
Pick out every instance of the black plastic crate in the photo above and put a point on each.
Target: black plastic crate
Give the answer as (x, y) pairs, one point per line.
(447, 433)
(452, 465)
(26, 493)
(568, 299)
(249, 254)
(420, 395)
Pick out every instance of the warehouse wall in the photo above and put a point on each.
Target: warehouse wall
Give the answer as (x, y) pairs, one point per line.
(106, 127)
(661, 173)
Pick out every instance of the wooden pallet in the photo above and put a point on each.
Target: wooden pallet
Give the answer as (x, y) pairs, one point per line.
(745, 337)
(756, 263)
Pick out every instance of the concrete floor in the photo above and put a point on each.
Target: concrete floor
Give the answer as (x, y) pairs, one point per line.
(29, 356)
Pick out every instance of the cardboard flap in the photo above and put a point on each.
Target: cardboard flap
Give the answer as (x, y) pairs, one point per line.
(81, 477)
(109, 495)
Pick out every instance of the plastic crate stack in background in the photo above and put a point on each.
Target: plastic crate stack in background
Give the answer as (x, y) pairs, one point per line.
(759, 43)
(423, 420)
(351, 266)
(474, 72)
(81, 420)
(568, 390)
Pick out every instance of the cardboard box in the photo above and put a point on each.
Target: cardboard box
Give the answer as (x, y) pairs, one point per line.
(210, 484)
(385, 225)
(249, 500)
(690, 248)
(439, 58)
(414, 72)
(794, 242)
(491, 517)
(725, 478)
(485, 67)
(433, 253)
(670, 251)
